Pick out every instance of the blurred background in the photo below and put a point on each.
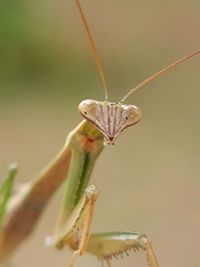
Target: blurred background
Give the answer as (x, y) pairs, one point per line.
(149, 181)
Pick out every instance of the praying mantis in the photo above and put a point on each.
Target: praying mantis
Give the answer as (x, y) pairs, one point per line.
(103, 123)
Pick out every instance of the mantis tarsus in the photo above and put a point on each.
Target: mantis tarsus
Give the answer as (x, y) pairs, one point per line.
(104, 121)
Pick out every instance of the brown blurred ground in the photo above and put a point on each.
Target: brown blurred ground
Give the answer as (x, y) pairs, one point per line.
(149, 181)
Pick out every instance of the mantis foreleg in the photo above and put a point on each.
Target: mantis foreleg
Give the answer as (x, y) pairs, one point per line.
(76, 212)
(107, 246)
(76, 161)
(26, 206)
(75, 233)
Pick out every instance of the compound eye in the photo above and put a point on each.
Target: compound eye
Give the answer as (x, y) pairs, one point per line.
(132, 115)
(89, 109)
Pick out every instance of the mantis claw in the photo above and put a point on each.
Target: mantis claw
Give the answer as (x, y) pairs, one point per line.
(109, 246)
(76, 231)
(151, 257)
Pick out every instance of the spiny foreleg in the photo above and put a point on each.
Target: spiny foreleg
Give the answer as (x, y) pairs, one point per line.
(108, 246)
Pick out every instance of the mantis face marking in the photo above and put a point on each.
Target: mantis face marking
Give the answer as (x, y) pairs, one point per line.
(109, 117)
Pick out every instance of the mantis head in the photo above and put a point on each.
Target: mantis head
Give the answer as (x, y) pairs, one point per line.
(109, 117)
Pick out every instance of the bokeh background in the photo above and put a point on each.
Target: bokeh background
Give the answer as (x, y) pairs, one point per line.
(149, 181)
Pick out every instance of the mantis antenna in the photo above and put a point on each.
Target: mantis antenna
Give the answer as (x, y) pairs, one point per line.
(152, 77)
(112, 118)
(93, 48)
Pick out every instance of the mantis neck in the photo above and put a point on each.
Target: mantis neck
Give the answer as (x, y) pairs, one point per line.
(86, 144)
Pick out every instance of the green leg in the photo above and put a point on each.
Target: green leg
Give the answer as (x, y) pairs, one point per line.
(27, 204)
(5, 191)
(107, 246)
(75, 233)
